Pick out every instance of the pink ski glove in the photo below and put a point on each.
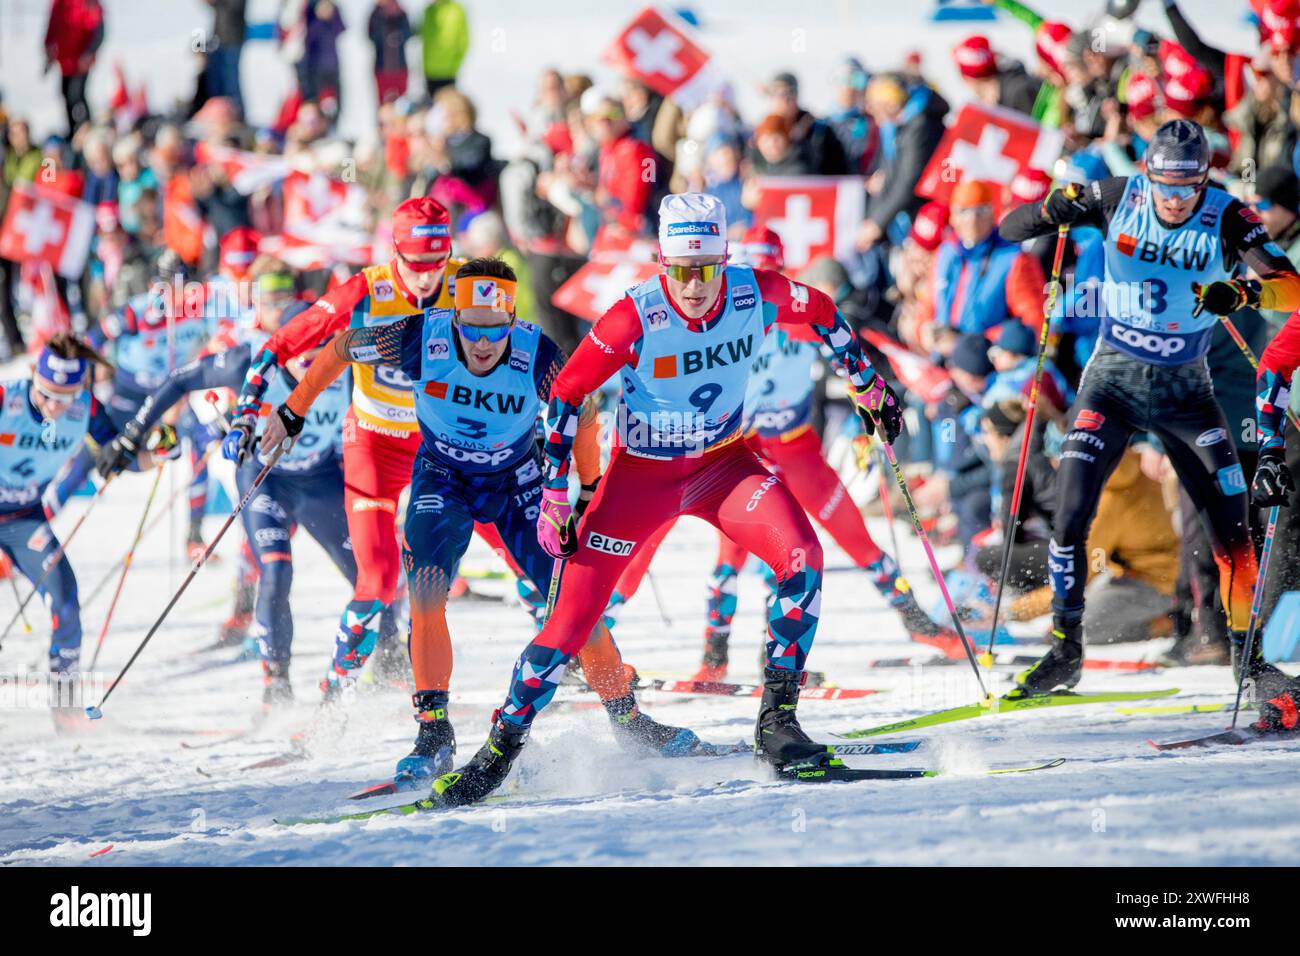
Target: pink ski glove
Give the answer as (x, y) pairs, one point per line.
(555, 528)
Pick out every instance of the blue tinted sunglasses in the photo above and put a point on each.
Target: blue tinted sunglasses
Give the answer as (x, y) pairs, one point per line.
(1166, 191)
(1262, 205)
(492, 333)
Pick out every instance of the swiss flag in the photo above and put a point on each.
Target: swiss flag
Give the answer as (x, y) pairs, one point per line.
(658, 49)
(919, 375)
(990, 144)
(247, 172)
(313, 198)
(814, 215)
(323, 220)
(354, 249)
(595, 287)
(44, 226)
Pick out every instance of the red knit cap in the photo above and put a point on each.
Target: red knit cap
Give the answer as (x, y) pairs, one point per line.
(238, 249)
(928, 226)
(421, 226)
(1141, 94)
(975, 57)
(1185, 95)
(1050, 42)
(763, 248)
(1030, 185)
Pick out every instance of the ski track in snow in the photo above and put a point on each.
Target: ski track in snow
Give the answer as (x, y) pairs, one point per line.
(128, 781)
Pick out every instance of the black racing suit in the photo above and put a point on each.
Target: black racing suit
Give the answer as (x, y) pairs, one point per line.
(1121, 393)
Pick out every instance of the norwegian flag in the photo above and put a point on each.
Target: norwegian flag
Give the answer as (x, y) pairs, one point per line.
(247, 172)
(43, 226)
(595, 287)
(990, 144)
(660, 50)
(814, 215)
(919, 375)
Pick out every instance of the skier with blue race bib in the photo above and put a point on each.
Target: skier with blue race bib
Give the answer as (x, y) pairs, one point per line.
(1176, 250)
(44, 421)
(479, 378)
(305, 488)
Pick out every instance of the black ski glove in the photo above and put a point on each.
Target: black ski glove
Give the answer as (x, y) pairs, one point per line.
(119, 454)
(1273, 484)
(1063, 207)
(1225, 298)
(879, 408)
(291, 420)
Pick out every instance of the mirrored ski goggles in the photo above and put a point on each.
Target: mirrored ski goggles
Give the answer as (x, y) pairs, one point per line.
(1169, 191)
(490, 333)
(707, 272)
(417, 266)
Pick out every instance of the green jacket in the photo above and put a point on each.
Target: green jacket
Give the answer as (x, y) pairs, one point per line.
(23, 167)
(445, 36)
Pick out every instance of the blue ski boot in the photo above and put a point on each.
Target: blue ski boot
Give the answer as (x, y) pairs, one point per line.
(435, 742)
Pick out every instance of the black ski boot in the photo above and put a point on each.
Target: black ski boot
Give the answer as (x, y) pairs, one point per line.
(486, 770)
(713, 667)
(1060, 667)
(435, 742)
(778, 738)
(638, 732)
(276, 689)
(1263, 680)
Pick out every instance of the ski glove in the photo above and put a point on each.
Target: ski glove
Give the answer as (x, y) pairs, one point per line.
(556, 531)
(1063, 207)
(121, 452)
(1225, 298)
(117, 455)
(1272, 484)
(879, 408)
(238, 444)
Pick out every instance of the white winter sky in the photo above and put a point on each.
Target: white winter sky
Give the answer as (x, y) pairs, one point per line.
(512, 40)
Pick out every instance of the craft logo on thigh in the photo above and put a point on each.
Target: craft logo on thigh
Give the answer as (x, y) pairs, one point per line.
(615, 546)
(1212, 437)
(758, 494)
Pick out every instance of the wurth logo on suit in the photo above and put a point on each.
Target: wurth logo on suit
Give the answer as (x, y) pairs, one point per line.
(476, 398)
(702, 360)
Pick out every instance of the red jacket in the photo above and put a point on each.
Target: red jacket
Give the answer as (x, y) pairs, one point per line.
(627, 175)
(75, 31)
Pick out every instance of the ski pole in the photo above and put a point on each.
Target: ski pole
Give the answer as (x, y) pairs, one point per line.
(1256, 604)
(95, 712)
(157, 520)
(1247, 351)
(1013, 506)
(126, 563)
(54, 560)
(13, 583)
(889, 515)
(934, 566)
(654, 589)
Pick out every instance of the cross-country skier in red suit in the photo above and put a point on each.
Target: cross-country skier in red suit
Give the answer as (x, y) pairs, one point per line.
(683, 344)
(779, 429)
